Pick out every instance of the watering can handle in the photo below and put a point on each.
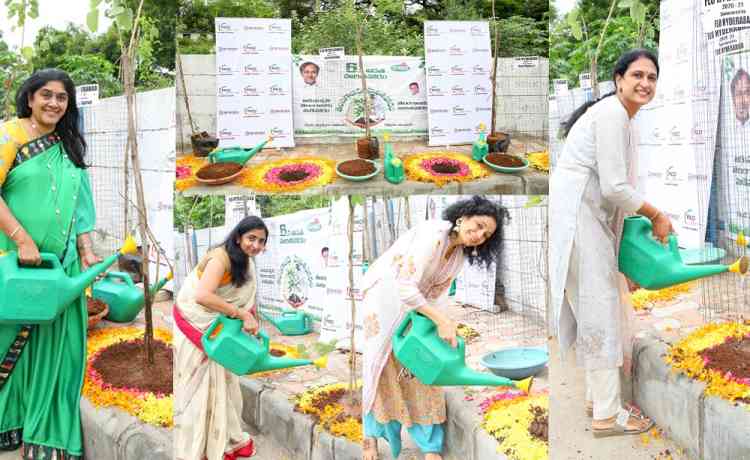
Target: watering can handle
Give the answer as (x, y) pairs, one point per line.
(402, 327)
(121, 276)
(210, 331)
(673, 246)
(51, 258)
(264, 338)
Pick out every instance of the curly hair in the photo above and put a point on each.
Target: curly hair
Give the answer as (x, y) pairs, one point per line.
(489, 251)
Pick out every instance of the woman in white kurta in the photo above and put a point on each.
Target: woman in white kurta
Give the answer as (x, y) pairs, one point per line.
(207, 397)
(415, 274)
(592, 187)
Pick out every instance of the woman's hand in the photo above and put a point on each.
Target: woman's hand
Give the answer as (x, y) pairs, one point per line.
(447, 332)
(88, 258)
(249, 323)
(662, 227)
(632, 285)
(28, 252)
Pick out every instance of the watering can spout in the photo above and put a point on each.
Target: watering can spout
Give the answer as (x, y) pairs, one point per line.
(272, 363)
(156, 287)
(81, 281)
(468, 376)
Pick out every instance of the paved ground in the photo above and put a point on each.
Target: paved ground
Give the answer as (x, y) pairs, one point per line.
(570, 436)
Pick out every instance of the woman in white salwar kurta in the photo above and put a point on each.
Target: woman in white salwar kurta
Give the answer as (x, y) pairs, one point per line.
(592, 188)
(208, 401)
(415, 274)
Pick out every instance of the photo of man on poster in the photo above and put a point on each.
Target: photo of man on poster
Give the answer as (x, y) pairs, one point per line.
(309, 71)
(740, 88)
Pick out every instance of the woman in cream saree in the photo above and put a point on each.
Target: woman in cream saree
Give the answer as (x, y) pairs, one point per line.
(208, 401)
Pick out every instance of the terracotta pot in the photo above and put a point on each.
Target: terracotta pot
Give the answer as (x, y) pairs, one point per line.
(498, 142)
(368, 149)
(203, 144)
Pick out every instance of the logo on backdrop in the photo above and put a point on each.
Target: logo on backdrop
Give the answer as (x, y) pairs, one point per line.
(250, 48)
(690, 220)
(250, 69)
(276, 28)
(457, 70)
(295, 279)
(225, 70)
(223, 49)
(403, 67)
(436, 91)
(275, 69)
(676, 134)
(250, 91)
(437, 132)
(279, 49)
(459, 111)
(314, 225)
(671, 176)
(223, 28)
(226, 134)
(276, 90)
(434, 71)
(251, 112)
(432, 31)
(457, 90)
(225, 91)
(480, 50)
(455, 51)
(476, 31)
(278, 132)
(480, 70)
(480, 90)
(697, 134)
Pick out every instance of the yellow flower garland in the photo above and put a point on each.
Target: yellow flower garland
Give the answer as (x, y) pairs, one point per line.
(509, 420)
(194, 164)
(255, 177)
(415, 170)
(539, 160)
(643, 299)
(332, 418)
(684, 356)
(148, 407)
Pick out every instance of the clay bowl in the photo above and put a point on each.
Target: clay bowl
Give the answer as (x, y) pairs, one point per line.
(218, 173)
(514, 164)
(358, 178)
(94, 319)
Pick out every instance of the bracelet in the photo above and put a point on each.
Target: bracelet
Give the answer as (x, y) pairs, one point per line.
(84, 246)
(13, 233)
(655, 215)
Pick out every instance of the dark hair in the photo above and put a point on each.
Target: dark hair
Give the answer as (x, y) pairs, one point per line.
(237, 256)
(489, 251)
(307, 63)
(67, 127)
(325, 249)
(414, 83)
(742, 73)
(621, 66)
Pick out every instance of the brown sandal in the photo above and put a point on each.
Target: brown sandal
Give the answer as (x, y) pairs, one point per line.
(620, 425)
(632, 408)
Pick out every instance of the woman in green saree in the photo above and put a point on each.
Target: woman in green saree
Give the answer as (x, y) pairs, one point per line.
(46, 205)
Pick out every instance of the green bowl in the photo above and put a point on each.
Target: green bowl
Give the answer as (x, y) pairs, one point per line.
(506, 169)
(359, 178)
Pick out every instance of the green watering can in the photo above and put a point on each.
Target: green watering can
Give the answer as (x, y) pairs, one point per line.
(394, 167)
(433, 361)
(235, 154)
(39, 294)
(122, 296)
(479, 148)
(292, 322)
(653, 266)
(226, 343)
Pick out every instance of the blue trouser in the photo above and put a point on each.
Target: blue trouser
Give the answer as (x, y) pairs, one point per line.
(429, 438)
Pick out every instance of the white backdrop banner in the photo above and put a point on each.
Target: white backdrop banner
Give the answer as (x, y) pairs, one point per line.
(458, 59)
(328, 96)
(292, 270)
(253, 81)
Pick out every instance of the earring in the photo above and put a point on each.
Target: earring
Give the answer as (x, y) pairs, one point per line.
(474, 253)
(458, 224)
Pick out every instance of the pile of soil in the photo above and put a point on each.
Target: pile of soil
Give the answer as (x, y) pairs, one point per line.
(333, 397)
(94, 306)
(357, 168)
(539, 428)
(731, 356)
(276, 353)
(445, 168)
(504, 160)
(122, 365)
(218, 170)
(294, 175)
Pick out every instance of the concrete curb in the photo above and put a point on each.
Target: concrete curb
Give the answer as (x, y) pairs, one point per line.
(708, 428)
(116, 435)
(270, 412)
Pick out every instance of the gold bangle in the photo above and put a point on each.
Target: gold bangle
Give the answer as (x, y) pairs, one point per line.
(13, 233)
(655, 215)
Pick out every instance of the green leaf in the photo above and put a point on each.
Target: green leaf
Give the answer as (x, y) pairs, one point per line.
(625, 3)
(27, 52)
(92, 20)
(116, 11)
(125, 20)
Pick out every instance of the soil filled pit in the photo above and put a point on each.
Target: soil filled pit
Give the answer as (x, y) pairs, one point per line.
(338, 396)
(445, 168)
(94, 306)
(218, 171)
(539, 427)
(123, 365)
(506, 161)
(294, 175)
(357, 168)
(732, 356)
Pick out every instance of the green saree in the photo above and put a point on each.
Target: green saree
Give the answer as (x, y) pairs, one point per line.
(40, 399)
